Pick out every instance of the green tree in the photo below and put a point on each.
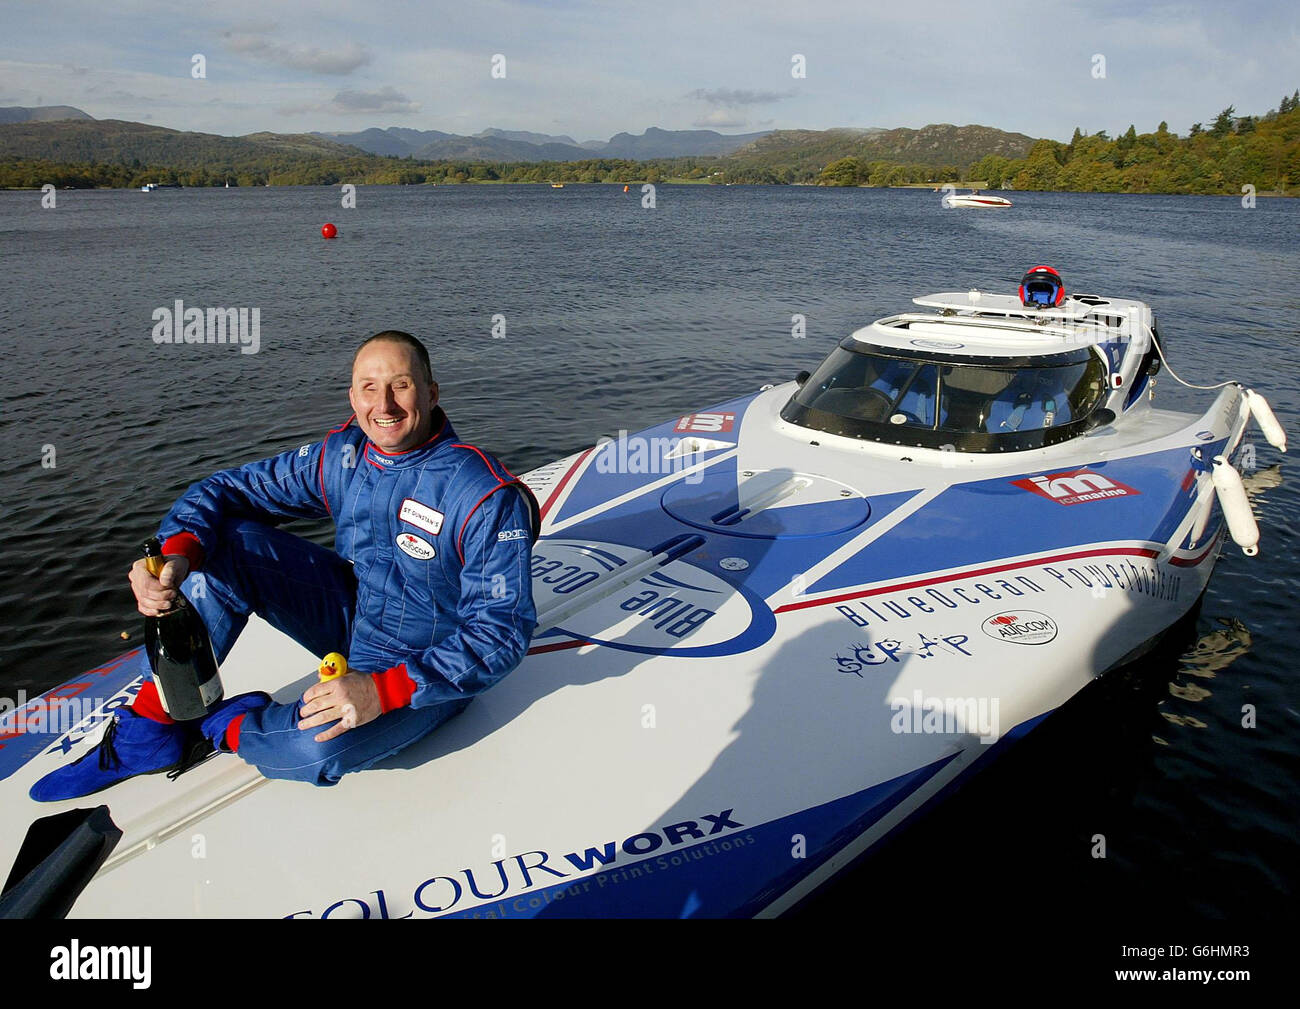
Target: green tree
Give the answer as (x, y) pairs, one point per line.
(844, 172)
(1041, 167)
(1223, 123)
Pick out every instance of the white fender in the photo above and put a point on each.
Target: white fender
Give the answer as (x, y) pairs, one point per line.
(1267, 422)
(1236, 506)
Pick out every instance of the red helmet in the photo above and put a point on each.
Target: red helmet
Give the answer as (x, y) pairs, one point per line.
(1042, 287)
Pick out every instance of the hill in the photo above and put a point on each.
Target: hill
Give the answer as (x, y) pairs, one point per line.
(41, 114)
(802, 155)
(121, 142)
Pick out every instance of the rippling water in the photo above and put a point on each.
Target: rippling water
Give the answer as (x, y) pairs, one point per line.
(617, 316)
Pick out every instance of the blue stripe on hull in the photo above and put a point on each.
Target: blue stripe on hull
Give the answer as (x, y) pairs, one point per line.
(707, 880)
(26, 732)
(601, 481)
(974, 523)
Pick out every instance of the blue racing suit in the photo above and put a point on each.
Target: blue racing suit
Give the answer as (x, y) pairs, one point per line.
(428, 589)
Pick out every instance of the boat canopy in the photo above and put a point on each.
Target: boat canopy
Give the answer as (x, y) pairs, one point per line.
(969, 404)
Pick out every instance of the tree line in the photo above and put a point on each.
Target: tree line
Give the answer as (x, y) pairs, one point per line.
(1263, 151)
(32, 173)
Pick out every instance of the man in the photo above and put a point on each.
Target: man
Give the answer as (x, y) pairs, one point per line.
(428, 595)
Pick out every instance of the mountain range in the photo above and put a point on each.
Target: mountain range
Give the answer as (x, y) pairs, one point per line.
(64, 147)
(66, 134)
(520, 145)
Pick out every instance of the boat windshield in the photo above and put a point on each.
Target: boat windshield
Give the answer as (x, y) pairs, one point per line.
(970, 404)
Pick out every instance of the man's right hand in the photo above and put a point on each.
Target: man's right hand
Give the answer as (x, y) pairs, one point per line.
(155, 596)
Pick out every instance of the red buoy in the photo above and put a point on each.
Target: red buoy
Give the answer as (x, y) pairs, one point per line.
(328, 230)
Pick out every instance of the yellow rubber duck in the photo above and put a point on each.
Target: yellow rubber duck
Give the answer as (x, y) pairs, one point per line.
(332, 667)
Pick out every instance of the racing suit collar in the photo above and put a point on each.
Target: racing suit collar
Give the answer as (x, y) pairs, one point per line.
(442, 432)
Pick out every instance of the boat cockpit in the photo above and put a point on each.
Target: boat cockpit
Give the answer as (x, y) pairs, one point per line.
(968, 404)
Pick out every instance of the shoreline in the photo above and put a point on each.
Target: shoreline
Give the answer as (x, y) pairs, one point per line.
(926, 186)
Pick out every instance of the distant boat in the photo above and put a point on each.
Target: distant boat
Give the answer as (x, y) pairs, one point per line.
(557, 185)
(974, 199)
(149, 187)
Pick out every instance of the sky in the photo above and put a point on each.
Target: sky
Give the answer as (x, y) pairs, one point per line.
(590, 69)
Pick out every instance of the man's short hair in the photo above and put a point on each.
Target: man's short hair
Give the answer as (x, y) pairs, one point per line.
(397, 336)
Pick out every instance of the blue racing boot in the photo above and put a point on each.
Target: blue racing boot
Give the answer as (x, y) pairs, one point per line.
(218, 720)
(132, 745)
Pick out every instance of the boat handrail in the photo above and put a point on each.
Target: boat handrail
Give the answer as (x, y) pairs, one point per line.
(1058, 327)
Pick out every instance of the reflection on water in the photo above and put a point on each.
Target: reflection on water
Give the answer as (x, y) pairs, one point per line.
(1261, 480)
(1218, 649)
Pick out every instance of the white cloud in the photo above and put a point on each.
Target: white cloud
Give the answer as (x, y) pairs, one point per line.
(733, 97)
(386, 101)
(721, 119)
(318, 61)
(383, 100)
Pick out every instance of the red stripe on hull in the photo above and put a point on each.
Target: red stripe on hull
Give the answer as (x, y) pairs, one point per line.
(563, 482)
(1191, 562)
(557, 647)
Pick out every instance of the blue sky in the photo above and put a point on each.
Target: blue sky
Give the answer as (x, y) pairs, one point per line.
(591, 69)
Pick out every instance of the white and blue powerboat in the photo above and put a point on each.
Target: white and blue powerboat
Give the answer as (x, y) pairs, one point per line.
(770, 632)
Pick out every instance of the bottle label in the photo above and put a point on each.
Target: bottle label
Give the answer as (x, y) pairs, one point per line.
(162, 694)
(211, 691)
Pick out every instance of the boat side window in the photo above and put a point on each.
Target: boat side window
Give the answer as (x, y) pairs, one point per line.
(968, 394)
(1004, 400)
(914, 404)
(874, 388)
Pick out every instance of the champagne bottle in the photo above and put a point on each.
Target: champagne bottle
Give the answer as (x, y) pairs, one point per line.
(180, 652)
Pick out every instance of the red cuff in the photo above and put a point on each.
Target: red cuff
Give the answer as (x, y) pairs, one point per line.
(395, 688)
(188, 546)
(232, 732)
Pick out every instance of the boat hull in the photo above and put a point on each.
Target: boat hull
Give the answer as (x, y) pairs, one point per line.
(751, 665)
(976, 201)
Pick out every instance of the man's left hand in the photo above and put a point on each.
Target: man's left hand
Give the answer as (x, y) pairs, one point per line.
(350, 701)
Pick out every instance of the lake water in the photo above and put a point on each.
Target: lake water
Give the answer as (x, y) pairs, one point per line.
(618, 316)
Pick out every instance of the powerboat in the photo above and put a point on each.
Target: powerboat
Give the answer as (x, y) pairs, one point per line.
(770, 632)
(974, 198)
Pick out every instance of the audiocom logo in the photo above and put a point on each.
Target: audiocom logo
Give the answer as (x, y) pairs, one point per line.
(1075, 487)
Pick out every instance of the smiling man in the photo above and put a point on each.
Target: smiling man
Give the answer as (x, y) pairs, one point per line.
(427, 592)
